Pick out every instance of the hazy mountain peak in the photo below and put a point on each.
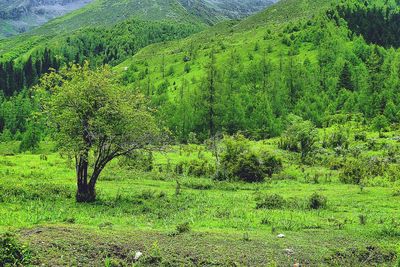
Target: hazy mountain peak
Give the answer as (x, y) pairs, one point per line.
(18, 16)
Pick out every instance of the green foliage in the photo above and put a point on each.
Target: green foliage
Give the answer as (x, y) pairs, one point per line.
(300, 136)
(30, 139)
(94, 119)
(239, 161)
(138, 160)
(353, 172)
(380, 123)
(360, 136)
(270, 164)
(200, 168)
(338, 138)
(183, 228)
(274, 201)
(12, 253)
(317, 201)
(14, 114)
(154, 257)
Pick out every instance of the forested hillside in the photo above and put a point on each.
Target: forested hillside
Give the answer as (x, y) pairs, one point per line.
(248, 78)
(315, 64)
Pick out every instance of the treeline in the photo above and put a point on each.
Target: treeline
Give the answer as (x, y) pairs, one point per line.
(18, 120)
(98, 46)
(319, 69)
(14, 77)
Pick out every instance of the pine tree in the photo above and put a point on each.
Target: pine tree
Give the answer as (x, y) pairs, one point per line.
(345, 79)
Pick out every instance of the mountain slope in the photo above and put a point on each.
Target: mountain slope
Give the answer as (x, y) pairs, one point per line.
(299, 56)
(99, 13)
(23, 15)
(109, 12)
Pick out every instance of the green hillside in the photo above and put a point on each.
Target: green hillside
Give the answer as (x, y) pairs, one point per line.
(100, 13)
(297, 57)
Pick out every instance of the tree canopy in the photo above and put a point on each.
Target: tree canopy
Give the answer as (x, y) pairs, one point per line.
(95, 120)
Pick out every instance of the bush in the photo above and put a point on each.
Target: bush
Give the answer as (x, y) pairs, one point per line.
(183, 228)
(249, 168)
(200, 168)
(317, 201)
(360, 136)
(198, 184)
(30, 140)
(270, 202)
(396, 192)
(12, 253)
(352, 172)
(271, 164)
(152, 258)
(300, 136)
(380, 123)
(239, 161)
(338, 138)
(138, 160)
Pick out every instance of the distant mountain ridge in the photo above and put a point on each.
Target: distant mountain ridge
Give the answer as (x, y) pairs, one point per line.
(23, 15)
(17, 16)
(239, 8)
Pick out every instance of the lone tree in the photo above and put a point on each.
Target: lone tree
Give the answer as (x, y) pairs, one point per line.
(94, 121)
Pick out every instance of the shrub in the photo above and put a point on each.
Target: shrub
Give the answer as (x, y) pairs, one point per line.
(113, 262)
(352, 172)
(192, 138)
(317, 201)
(12, 253)
(239, 161)
(183, 228)
(152, 258)
(271, 164)
(138, 160)
(380, 123)
(396, 192)
(300, 136)
(376, 166)
(360, 136)
(30, 139)
(271, 202)
(198, 184)
(338, 138)
(200, 168)
(249, 168)
(363, 219)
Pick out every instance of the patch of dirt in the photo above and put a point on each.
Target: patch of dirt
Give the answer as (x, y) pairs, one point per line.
(79, 246)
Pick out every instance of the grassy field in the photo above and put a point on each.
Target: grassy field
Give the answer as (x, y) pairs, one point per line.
(196, 221)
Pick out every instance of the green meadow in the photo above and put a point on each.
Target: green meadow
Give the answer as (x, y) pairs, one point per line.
(187, 217)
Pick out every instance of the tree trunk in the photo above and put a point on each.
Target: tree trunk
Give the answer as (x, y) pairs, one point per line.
(86, 191)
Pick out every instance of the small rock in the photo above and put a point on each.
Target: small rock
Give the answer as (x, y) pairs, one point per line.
(288, 251)
(138, 254)
(281, 236)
